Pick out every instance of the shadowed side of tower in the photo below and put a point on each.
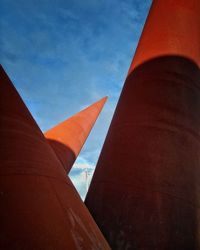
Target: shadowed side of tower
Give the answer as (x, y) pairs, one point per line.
(68, 137)
(39, 207)
(145, 192)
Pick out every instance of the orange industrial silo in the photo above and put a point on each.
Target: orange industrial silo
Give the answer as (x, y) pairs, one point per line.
(145, 192)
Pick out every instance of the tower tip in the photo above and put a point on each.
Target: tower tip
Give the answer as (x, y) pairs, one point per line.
(68, 137)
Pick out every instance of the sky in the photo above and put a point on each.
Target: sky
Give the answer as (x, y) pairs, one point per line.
(63, 55)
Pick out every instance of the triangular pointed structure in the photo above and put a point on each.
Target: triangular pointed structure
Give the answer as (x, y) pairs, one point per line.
(68, 137)
(145, 190)
(39, 207)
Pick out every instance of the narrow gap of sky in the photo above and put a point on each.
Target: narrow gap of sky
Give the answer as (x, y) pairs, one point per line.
(63, 55)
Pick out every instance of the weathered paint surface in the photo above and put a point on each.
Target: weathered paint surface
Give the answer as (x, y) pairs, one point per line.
(68, 137)
(145, 192)
(39, 207)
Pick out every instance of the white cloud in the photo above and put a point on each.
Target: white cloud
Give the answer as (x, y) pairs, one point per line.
(81, 175)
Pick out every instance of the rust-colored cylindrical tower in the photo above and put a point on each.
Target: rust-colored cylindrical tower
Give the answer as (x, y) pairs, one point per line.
(145, 193)
(68, 137)
(39, 207)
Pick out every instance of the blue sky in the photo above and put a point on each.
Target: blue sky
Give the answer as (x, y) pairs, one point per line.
(63, 55)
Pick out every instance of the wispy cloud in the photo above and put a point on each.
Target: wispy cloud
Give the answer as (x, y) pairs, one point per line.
(81, 175)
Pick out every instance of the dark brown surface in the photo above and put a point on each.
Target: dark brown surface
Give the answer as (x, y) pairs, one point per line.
(39, 207)
(145, 190)
(64, 153)
(145, 193)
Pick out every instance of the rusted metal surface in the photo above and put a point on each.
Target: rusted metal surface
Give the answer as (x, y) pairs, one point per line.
(39, 207)
(145, 192)
(68, 137)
